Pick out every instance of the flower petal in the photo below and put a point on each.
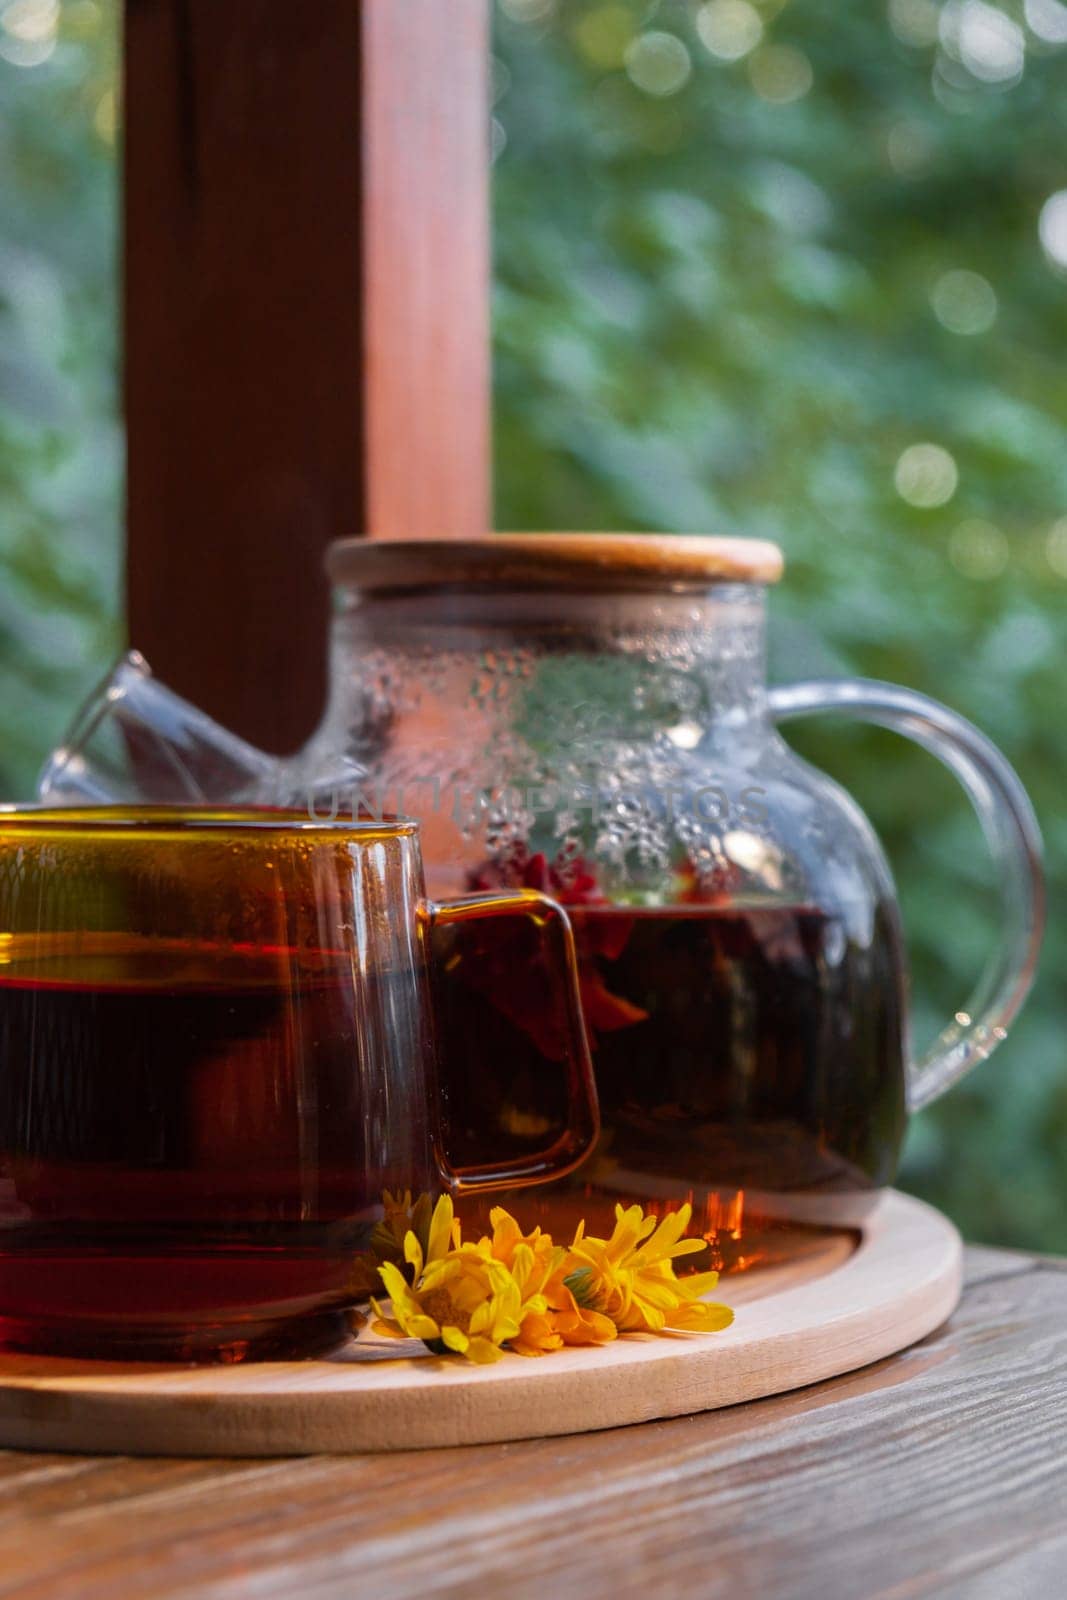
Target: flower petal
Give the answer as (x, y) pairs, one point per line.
(422, 1327)
(482, 1352)
(440, 1272)
(642, 1317)
(664, 1241)
(701, 1316)
(699, 1284)
(506, 1234)
(664, 1295)
(413, 1254)
(440, 1228)
(480, 1318)
(388, 1330)
(404, 1302)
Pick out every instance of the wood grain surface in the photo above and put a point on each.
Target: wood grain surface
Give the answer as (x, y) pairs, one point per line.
(939, 1472)
(425, 120)
(556, 561)
(846, 1303)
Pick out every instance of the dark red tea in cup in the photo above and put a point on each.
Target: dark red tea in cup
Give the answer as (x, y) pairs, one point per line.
(188, 1141)
(217, 1052)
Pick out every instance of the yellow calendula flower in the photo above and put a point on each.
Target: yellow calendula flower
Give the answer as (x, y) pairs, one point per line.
(460, 1299)
(630, 1277)
(530, 1259)
(507, 1237)
(522, 1291)
(421, 1253)
(400, 1216)
(550, 1315)
(533, 1263)
(577, 1324)
(463, 1304)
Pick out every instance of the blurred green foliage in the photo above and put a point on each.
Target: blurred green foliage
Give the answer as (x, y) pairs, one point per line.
(749, 256)
(60, 441)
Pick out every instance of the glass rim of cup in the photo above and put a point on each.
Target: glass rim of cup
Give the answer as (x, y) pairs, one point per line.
(188, 819)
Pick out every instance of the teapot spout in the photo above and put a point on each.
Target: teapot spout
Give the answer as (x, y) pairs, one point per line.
(135, 741)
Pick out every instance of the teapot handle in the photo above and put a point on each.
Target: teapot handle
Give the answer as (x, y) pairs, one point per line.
(1014, 841)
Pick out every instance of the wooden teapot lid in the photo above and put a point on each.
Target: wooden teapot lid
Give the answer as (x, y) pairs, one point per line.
(553, 560)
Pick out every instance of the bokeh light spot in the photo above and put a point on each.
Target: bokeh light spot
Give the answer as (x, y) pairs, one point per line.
(32, 21)
(926, 475)
(779, 73)
(909, 148)
(106, 117)
(914, 21)
(499, 79)
(729, 28)
(81, 18)
(964, 302)
(1047, 20)
(1056, 547)
(28, 31)
(1052, 228)
(1020, 642)
(795, 201)
(990, 45)
(604, 34)
(978, 549)
(658, 63)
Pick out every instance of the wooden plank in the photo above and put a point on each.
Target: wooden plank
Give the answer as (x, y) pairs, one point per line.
(934, 1473)
(426, 210)
(306, 303)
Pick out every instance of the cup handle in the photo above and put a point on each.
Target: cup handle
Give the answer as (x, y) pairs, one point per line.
(1014, 841)
(556, 941)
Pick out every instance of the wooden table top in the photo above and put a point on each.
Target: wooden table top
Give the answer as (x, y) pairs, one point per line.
(942, 1471)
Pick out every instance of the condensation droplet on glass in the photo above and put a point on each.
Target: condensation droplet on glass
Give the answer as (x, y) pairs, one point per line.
(835, 944)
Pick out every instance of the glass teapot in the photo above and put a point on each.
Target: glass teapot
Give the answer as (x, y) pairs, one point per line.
(588, 715)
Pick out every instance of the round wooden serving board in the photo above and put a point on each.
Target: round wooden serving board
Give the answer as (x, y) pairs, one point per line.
(854, 1300)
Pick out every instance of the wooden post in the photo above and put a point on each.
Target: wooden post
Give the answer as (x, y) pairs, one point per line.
(306, 315)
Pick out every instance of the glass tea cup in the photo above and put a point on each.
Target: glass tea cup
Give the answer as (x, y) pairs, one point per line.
(218, 1056)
